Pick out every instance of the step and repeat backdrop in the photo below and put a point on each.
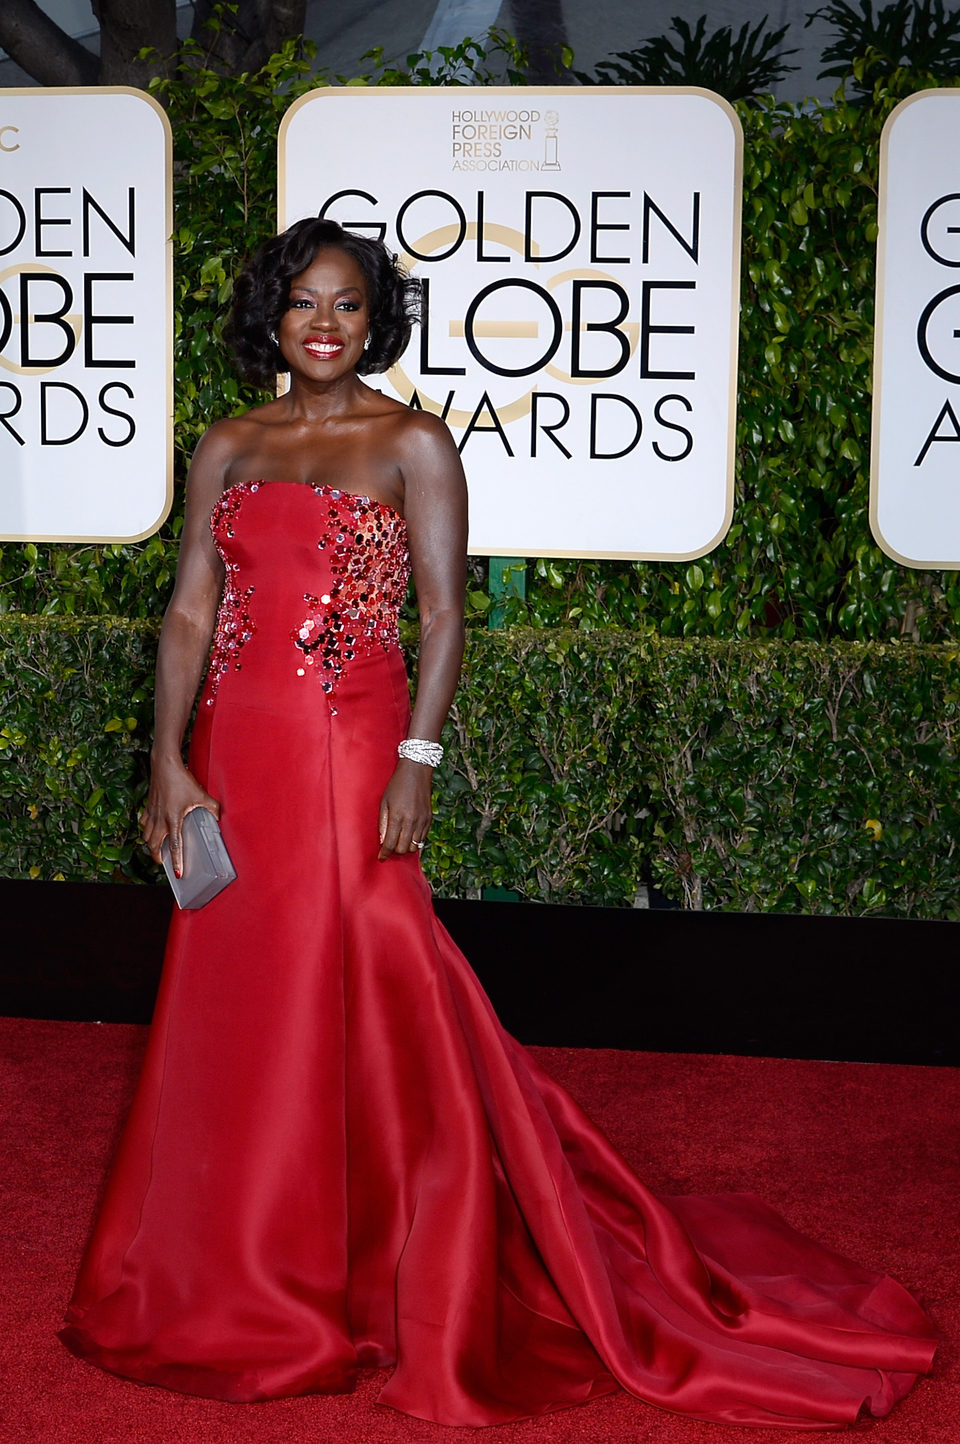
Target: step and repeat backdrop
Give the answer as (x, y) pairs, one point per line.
(86, 315)
(579, 253)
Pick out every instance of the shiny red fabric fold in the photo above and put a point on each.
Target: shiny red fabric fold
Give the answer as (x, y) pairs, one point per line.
(337, 1158)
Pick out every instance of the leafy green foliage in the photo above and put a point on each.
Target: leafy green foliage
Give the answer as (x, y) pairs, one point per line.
(804, 777)
(76, 699)
(774, 776)
(225, 135)
(539, 788)
(738, 68)
(782, 777)
(919, 35)
(495, 59)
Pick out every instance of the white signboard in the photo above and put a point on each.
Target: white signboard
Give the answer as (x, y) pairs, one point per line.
(86, 351)
(915, 471)
(579, 250)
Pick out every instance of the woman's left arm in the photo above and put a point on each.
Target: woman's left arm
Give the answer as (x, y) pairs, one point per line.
(435, 507)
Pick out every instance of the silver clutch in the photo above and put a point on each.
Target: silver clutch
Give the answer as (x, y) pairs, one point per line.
(207, 868)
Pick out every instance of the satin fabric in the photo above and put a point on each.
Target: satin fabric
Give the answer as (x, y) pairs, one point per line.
(338, 1159)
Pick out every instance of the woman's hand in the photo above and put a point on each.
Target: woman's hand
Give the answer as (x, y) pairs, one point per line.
(405, 811)
(174, 792)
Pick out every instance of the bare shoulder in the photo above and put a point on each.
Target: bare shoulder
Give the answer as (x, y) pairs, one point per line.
(223, 447)
(220, 442)
(434, 486)
(409, 425)
(422, 435)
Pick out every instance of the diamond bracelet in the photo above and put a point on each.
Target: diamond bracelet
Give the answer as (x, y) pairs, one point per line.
(416, 749)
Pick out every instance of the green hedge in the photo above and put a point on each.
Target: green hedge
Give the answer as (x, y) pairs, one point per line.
(774, 776)
(76, 703)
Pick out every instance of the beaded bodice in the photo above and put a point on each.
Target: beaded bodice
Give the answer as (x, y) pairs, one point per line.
(324, 571)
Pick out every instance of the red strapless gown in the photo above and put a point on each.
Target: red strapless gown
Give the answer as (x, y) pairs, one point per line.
(338, 1159)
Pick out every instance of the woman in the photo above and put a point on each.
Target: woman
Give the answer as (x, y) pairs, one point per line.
(337, 1159)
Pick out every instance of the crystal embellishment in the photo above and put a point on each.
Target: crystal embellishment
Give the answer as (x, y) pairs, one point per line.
(370, 568)
(365, 566)
(235, 626)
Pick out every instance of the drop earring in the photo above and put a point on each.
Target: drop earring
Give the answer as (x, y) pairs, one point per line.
(366, 344)
(273, 337)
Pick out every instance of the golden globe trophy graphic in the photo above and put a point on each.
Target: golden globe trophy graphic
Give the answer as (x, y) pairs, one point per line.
(551, 143)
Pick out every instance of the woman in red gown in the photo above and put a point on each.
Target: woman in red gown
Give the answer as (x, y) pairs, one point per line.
(336, 1158)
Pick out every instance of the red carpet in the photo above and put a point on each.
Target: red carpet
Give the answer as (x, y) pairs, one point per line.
(862, 1156)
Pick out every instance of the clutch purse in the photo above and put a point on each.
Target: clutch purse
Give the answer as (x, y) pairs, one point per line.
(207, 868)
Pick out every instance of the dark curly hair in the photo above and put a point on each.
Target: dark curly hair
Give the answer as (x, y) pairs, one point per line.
(262, 289)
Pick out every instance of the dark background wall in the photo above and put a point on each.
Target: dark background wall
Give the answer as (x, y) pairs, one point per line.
(860, 989)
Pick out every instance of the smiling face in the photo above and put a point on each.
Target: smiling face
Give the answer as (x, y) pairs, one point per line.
(322, 331)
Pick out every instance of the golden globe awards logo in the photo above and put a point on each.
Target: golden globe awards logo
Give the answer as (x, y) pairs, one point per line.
(44, 323)
(578, 331)
(575, 328)
(85, 350)
(938, 328)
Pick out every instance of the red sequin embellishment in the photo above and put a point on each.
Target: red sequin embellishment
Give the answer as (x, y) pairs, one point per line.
(370, 569)
(234, 622)
(365, 542)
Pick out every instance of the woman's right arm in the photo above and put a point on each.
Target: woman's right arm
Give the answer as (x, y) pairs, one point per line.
(184, 643)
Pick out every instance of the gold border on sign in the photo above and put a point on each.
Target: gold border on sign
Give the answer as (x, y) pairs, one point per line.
(569, 93)
(157, 108)
(875, 407)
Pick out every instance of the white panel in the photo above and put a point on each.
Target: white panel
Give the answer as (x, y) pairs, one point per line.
(526, 209)
(85, 315)
(915, 472)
